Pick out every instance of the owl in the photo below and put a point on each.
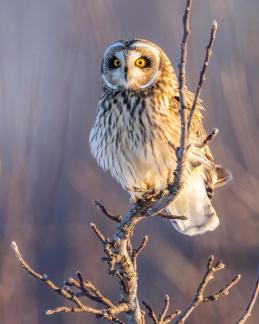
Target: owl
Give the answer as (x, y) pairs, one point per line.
(137, 127)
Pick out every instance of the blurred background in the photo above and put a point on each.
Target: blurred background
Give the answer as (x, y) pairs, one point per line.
(50, 54)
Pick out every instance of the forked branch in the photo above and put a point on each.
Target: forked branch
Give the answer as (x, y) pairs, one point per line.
(200, 297)
(163, 318)
(110, 313)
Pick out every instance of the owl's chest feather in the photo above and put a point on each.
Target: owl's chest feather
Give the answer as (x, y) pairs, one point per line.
(131, 140)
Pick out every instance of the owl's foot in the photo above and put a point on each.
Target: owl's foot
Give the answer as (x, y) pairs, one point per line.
(146, 195)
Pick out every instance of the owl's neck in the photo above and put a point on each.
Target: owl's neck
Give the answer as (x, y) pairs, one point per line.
(166, 85)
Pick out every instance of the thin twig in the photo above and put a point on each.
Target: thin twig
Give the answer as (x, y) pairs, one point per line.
(115, 218)
(164, 310)
(141, 247)
(181, 151)
(109, 314)
(199, 297)
(172, 217)
(209, 138)
(163, 318)
(222, 292)
(151, 313)
(136, 252)
(71, 282)
(98, 233)
(89, 290)
(203, 71)
(44, 278)
(64, 309)
(252, 301)
(171, 317)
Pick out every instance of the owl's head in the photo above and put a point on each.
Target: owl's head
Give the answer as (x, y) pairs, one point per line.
(134, 64)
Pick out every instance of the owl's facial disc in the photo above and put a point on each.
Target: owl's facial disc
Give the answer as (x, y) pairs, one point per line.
(135, 67)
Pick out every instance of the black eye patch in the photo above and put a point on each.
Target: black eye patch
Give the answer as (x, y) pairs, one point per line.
(148, 61)
(113, 62)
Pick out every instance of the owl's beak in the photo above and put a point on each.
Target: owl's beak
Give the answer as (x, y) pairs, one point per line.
(124, 82)
(126, 74)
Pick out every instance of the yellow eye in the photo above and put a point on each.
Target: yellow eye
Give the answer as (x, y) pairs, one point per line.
(141, 62)
(116, 62)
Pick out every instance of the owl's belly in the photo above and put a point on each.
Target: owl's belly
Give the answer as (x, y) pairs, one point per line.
(135, 147)
(144, 169)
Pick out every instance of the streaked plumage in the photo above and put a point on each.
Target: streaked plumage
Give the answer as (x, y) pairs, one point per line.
(137, 119)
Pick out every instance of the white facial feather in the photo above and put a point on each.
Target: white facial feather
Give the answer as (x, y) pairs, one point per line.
(117, 77)
(136, 78)
(112, 46)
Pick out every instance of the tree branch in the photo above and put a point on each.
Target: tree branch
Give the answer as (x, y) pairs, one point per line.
(98, 233)
(199, 297)
(209, 138)
(203, 71)
(172, 217)
(250, 306)
(109, 313)
(163, 318)
(136, 252)
(115, 218)
(151, 313)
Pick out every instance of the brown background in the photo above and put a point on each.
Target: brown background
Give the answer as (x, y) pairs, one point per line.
(49, 85)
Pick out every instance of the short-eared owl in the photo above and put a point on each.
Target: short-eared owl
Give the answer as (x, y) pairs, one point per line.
(137, 119)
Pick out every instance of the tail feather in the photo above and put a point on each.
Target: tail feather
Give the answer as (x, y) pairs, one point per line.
(194, 203)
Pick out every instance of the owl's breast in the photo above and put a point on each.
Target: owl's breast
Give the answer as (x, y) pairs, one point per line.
(132, 142)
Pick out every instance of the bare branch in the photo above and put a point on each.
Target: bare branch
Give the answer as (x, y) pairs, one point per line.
(172, 145)
(88, 290)
(83, 291)
(163, 318)
(43, 278)
(172, 217)
(209, 138)
(210, 262)
(203, 71)
(199, 297)
(136, 252)
(224, 291)
(115, 218)
(98, 233)
(64, 309)
(103, 313)
(171, 317)
(141, 247)
(151, 313)
(109, 314)
(250, 306)
(164, 310)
